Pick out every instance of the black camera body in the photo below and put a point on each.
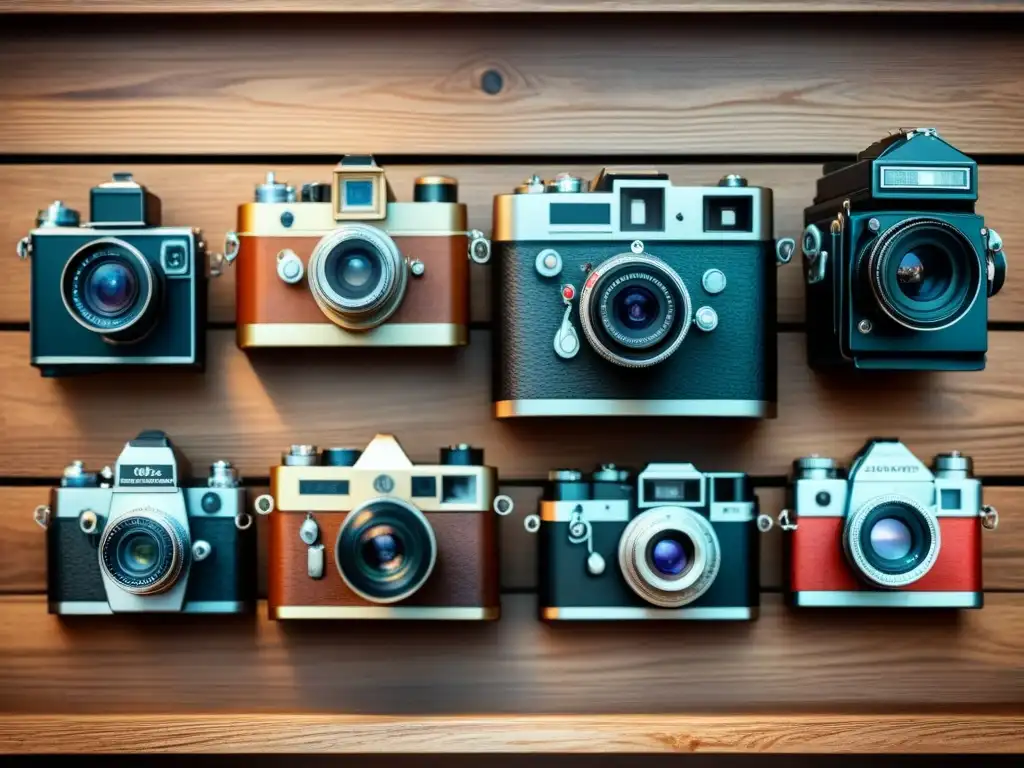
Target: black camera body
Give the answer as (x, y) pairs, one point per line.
(139, 540)
(635, 298)
(120, 290)
(672, 543)
(899, 266)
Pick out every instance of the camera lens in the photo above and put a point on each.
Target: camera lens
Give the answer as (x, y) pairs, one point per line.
(924, 273)
(671, 553)
(143, 553)
(635, 310)
(357, 276)
(111, 289)
(669, 556)
(892, 541)
(386, 550)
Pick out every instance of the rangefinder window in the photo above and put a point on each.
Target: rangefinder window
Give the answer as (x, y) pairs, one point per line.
(323, 487)
(358, 193)
(728, 214)
(642, 209)
(729, 490)
(689, 491)
(424, 487)
(458, 489)
(580, 214)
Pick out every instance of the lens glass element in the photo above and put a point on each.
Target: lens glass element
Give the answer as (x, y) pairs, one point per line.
(142, 554)
(110, 287)
(138, 553)
(637, 307)
(382, 549)
(890, 539)
(925, 273)
(671, 553)
(354, 269)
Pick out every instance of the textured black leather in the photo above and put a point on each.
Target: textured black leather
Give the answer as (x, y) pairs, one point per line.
(736, 361)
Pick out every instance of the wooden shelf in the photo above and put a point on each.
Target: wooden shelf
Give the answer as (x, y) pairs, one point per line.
(519, 734)
(500, 6)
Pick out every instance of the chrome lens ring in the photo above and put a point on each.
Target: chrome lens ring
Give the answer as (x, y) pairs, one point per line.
(879, 264)
(855, 547)
(380, 512)
(172, 550)
(645, 581)
(140, 266)
(377, 304)
(664, 277)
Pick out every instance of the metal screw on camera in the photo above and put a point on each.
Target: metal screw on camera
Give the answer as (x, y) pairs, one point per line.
(636, 246)
(417, 268)
(874, 225)
(864, 326)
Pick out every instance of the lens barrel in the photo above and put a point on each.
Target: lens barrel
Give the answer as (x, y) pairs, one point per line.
(144, 552)
(635, 310)
(892, 541)
(924, 273)
(357, 276)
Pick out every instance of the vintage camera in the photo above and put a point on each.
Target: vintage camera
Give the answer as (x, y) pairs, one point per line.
(899, 267)
(138, 540)
(344, 265)
(120, 290)
(892, 534)
(673, 289)
(407, 541)
(672, 543)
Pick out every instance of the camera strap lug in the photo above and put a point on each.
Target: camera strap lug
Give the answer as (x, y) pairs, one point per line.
(995, 260)
(243, 521)
(989, 517)
(263, 504)
(785, 523)
(42, 515)
(231, 247)
(784, 250)
(479, 246)
(25, 247)
(765, 523)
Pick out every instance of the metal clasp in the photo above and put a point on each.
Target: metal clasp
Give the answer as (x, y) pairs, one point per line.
(263, 504)
(989, 517)
(784, 250)
(765, 523)
(42, 515)
(479, 246)
(25, 247)
(231, 247)
(784, 521)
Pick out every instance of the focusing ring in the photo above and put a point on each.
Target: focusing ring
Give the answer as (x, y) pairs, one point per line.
(641, 578)
(176, 537)
(588, 298)
(377, 306)
(878, 260)
(145, 270)
(413, 586)
(852, 542)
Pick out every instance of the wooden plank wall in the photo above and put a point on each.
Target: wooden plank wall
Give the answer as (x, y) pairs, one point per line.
(199, 107)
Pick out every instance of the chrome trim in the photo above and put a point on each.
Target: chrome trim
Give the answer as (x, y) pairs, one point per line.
(595, 511)
(417, 613)
(917, 169)
(62, 360)
(132, 251)
(101, 607)
(737, 613)
(866, 599)
(328, 334)
(760, 409)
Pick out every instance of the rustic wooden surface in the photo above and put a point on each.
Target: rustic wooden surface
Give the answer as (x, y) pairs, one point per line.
(208, 196)
(200, 107)
(709, 86)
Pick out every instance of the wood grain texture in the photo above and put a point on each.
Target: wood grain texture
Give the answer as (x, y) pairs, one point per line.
(23, 545)
(649, 734)
(717, 84)
(247, 408)
(787, 661)
(497, 6)
(208, 196)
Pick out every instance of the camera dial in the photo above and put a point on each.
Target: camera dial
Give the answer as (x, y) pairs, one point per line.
(532, 186)
(56, 214)
(75, 476)
(273, 191)
(301, 456)
(462, 455)
(815, 467)
(340, 457)
(566, 182)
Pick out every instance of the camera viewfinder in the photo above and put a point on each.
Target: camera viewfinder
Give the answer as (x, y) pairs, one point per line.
(728, 214)
(642, 209)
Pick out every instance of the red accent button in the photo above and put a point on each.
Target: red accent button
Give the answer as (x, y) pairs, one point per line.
(568, 292)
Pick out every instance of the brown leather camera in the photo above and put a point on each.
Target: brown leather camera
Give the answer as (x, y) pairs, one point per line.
(343, 264)
(370, 535)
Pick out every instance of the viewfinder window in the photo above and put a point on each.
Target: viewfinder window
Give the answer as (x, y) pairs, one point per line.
(358, 193)
(425, 486)
(728, 214)
(681, 491)
(950, 499)
(731, 489)
(642, 209)
(458, 489)
(323, 487)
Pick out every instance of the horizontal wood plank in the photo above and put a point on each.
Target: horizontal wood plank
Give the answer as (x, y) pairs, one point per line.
(207, 197)
(247, 408)
(497, 6)
(718, 84)
(788, 660)
(649, 734)
(23, 545)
